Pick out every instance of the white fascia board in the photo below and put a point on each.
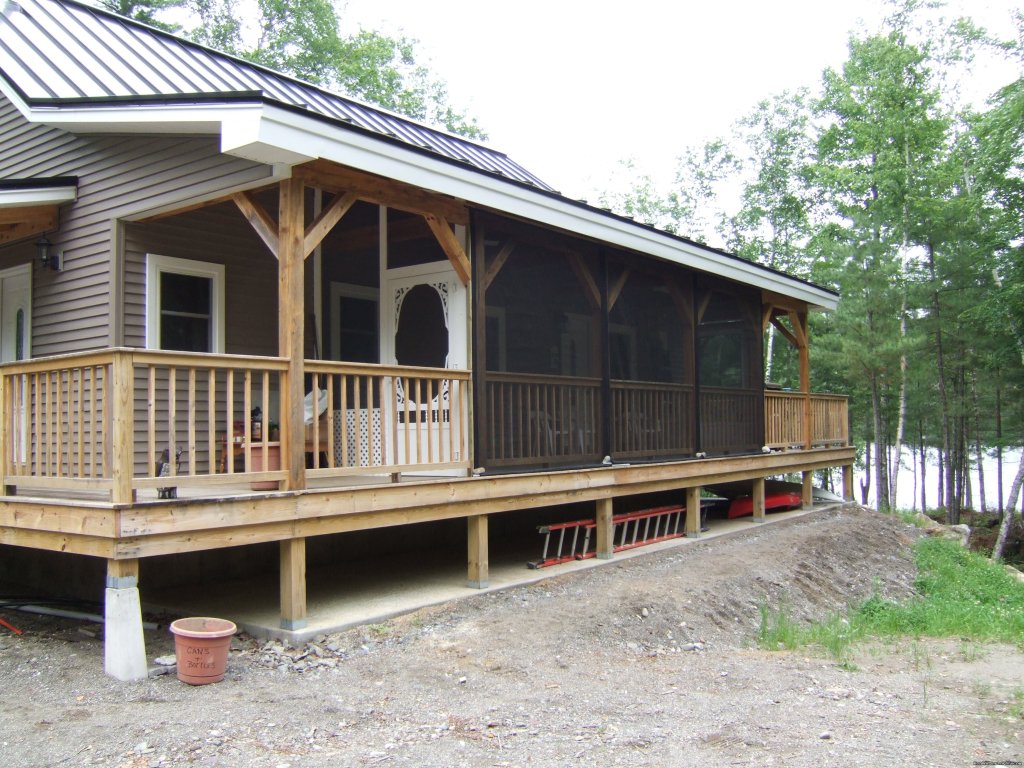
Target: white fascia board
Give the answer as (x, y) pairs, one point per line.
(285, 131)
(202, 117)
(31, 196)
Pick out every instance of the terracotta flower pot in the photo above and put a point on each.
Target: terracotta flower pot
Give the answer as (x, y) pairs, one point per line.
(201, 647)
(273, 464)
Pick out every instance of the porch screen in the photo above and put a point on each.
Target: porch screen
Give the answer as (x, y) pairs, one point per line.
(731, 404)
(651, 362)
(543, 351)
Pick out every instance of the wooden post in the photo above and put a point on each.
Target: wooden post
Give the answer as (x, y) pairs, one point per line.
(758, 500)
(848, 482)
(808, 489)
(693, 512)
(479, 567)
(124, 647)
(6, 433)
(605, 530)
(805, 374)
(122, 429)
(291, 324)
(293, 583)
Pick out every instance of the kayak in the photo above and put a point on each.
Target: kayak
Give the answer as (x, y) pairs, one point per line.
(744, 505)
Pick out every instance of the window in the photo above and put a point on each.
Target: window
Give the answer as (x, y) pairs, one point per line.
(184, 305)
(354, 322)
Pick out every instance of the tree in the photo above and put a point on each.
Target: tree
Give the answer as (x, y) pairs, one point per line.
(874, 163)
(999, 137)
(302, 38)
(772, 226)
(145, 11)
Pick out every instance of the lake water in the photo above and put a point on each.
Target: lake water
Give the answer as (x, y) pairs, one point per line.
(908, 494)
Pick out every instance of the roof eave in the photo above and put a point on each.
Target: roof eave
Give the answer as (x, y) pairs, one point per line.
(264, 132)
(284, 131)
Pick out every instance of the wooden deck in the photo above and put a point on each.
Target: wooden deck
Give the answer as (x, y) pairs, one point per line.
(163, 526)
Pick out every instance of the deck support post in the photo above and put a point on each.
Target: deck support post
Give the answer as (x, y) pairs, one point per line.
(124, 647)
(293, 584)
(848, 482)
(693, 512)
(478, 575)
(757, 497)
(808, 489)
(605, 530)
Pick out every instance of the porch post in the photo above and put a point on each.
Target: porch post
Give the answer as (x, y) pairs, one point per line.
(758, 500)
(478, 575)
(693, 512)
(122, 428)
(291, 322)
(848, 482)
(293, 584)
(801, 327)
(808, 489)
(605, 529)
(124, 647)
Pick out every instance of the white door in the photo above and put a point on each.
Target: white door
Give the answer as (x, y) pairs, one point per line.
(15, 313)
(15, 333)
(424, 323)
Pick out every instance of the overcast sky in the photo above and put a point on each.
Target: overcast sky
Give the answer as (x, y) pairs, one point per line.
(568, 88)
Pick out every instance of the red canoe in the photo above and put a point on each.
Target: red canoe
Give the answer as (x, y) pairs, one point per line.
(744, 505)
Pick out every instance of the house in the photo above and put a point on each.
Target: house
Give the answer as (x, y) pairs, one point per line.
(236, 308)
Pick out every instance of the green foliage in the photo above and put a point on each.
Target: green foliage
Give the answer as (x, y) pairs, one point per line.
(959, 594)
(146, 11)
(302, 38)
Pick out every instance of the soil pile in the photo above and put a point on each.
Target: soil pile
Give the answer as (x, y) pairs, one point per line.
(649, 661)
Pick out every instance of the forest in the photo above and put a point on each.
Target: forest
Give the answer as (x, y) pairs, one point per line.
(884, 185)
(882, 181)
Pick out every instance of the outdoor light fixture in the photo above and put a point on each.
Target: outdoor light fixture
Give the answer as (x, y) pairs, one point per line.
(46, 259)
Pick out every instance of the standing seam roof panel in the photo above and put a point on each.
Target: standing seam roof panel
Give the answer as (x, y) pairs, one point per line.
(53, 50)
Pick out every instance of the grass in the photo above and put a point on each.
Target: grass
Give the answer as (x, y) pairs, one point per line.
(959, 594)
(1016, 704)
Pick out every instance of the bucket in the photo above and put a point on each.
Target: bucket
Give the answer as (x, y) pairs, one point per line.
(201, 647)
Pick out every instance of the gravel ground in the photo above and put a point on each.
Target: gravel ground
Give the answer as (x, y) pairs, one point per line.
(645, 662)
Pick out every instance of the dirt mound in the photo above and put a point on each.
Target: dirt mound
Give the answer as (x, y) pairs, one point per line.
(645, 662)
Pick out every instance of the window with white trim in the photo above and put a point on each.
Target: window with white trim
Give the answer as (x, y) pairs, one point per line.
(184, 304)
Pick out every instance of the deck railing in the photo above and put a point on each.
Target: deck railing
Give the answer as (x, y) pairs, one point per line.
(536, 419)
(124, 420)
(785, 416)
(651, 419)
(730, 419)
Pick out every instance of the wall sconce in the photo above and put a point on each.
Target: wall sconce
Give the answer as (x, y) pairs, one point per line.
(47, 260)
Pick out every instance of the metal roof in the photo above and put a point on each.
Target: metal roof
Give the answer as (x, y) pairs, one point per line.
(61, 52)
(61, 56)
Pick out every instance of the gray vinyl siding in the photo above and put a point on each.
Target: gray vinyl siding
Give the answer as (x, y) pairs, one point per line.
(216, 235)
(118, 177)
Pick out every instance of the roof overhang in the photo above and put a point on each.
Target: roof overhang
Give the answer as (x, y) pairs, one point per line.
(29, 207)
(278, 130)
(250, 127)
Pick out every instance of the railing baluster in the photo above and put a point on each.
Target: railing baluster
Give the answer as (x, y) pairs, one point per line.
(191, 423)
(211, 421)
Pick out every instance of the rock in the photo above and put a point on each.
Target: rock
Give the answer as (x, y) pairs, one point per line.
(825, 735)
(644, 612)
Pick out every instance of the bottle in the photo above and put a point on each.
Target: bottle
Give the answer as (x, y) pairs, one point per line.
(257, 425)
